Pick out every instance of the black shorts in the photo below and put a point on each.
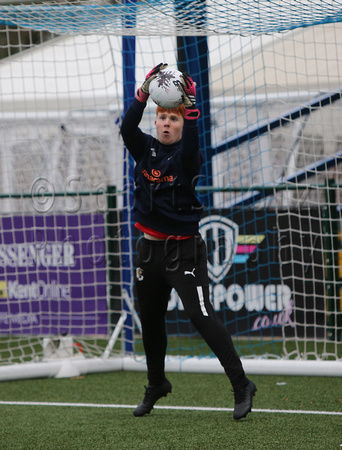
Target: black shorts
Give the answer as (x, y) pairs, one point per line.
(178, 264)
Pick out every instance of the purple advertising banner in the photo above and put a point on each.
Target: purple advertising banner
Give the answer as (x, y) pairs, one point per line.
(53, 275)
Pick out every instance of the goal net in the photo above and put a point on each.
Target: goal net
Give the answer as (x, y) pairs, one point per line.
(269, 77)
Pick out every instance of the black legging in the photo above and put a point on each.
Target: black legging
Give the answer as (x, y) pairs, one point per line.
(161, 266)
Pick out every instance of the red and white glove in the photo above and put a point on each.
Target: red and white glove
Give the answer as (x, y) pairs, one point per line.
(189, 97)
(143, 92)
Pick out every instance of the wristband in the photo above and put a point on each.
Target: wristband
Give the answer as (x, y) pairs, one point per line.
(141, 96)
(192, 114)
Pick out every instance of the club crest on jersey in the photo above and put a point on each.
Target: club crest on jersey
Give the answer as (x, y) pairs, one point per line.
(153, 152)
(140, 274)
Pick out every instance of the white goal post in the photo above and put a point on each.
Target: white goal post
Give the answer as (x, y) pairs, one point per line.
(269, 90)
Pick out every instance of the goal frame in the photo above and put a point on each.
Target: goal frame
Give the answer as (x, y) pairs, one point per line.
(59, 366)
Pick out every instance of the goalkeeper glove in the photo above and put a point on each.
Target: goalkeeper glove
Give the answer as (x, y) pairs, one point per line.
(143, 92)
(189, 97)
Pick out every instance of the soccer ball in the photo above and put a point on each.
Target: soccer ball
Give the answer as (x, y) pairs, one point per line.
(165, 90)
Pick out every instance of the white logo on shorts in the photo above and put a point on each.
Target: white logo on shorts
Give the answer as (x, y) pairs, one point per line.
(186, 272)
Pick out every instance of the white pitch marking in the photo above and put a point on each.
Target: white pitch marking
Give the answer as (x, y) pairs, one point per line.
(177, 408)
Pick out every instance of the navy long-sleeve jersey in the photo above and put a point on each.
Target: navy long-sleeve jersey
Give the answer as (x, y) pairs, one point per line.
(165, 176)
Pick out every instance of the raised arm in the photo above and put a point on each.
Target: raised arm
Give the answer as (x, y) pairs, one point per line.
(132, 135)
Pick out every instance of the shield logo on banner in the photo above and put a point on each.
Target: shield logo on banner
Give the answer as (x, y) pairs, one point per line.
(221, 236)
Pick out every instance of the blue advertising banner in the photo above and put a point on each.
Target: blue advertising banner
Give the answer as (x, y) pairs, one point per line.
(266, 272)
(53, 275)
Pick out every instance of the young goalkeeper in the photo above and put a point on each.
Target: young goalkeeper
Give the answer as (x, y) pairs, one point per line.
(172, 253)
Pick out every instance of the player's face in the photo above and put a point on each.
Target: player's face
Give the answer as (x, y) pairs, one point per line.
(169, 127)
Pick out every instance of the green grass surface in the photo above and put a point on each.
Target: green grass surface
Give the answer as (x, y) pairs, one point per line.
(70, 427)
